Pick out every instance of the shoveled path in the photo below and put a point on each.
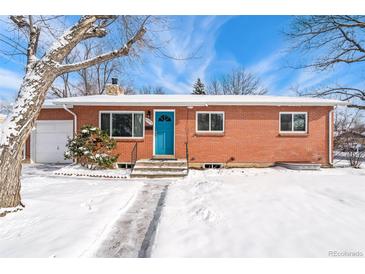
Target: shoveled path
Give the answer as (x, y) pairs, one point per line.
(133, 234)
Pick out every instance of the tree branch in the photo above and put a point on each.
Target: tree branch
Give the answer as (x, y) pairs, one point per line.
(356, 106)
(34, 33)
(20, 21)
(104, 57)
(82, 30)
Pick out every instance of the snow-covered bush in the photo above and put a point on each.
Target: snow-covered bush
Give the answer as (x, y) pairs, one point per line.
(92, 148)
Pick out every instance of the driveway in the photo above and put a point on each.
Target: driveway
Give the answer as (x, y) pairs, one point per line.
(64, 216)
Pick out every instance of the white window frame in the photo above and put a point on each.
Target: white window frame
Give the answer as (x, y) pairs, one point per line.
(123, 112)
(209, 130)
(292, 122)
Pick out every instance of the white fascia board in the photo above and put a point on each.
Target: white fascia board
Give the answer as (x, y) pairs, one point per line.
(184, 104)
(195, 100)
(55, 106)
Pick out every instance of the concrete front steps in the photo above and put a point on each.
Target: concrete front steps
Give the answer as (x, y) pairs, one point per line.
(157, 168)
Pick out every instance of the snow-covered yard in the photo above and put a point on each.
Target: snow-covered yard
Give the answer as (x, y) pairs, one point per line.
(64, 217)
(270, 212)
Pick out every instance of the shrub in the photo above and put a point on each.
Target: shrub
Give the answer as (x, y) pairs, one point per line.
(92, 148)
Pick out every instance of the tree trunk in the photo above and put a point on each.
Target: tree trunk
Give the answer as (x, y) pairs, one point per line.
(10, 168)
(39, 77)
(18, 127)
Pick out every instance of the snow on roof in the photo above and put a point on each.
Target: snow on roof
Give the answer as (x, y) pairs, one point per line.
(194, 100)
(48, 103)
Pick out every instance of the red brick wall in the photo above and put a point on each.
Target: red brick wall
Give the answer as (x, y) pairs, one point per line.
(55, 114)
(251, 135)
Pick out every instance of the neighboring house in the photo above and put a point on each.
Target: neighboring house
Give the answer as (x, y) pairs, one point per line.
(232, 130)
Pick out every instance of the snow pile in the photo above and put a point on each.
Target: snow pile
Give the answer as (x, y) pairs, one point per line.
(270, 212)
(78, 170)
(4, 211)
(63, 217)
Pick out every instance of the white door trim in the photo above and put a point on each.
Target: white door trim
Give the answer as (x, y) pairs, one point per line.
(154, 126)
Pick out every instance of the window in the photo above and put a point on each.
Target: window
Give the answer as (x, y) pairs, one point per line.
(124, 165)
(122, 124)
(293, 122)
(210, 121)
(164, 118)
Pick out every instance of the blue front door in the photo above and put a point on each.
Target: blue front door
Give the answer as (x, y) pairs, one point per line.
(164, 132)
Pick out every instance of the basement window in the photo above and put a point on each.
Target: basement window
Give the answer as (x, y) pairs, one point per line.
(293, 122)
(124, 165)
(212, 166)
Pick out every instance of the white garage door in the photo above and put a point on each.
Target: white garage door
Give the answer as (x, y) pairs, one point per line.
(50, 140)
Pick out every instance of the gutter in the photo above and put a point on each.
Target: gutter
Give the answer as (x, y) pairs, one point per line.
(330, 136)
(75, 117)
(202, 104)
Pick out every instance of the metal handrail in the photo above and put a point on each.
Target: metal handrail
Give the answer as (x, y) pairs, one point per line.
(134, 155)
(187, 156)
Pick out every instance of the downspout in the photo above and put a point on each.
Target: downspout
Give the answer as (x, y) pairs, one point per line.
(330, 136)
(75, 118)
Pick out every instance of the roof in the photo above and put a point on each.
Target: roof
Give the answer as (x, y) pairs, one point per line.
(48, 103)
(193, 100)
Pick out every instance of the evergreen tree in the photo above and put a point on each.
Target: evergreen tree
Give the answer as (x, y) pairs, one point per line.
(199, 88)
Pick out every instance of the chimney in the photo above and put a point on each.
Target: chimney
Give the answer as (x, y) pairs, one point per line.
(114, 88)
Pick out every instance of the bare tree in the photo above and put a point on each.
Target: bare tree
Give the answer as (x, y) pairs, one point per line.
(92, 80)
(5, 107)
(238, 82)
(44, 66)
(64, 88)
(349, 139)
(332, 40)
(151, 90)
(214, 87)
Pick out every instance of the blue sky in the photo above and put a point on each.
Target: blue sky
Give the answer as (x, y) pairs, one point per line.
(219, 44)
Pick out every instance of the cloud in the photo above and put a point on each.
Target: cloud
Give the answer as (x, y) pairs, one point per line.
(193, 37)
(9, 79)
(268, 64)
(282, 80)
(270, 70)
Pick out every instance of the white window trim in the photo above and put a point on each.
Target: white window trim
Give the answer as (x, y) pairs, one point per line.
(209, 131)
(125, 112)
(292, 122)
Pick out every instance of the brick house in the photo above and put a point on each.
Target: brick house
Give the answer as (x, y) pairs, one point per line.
(229, 130)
